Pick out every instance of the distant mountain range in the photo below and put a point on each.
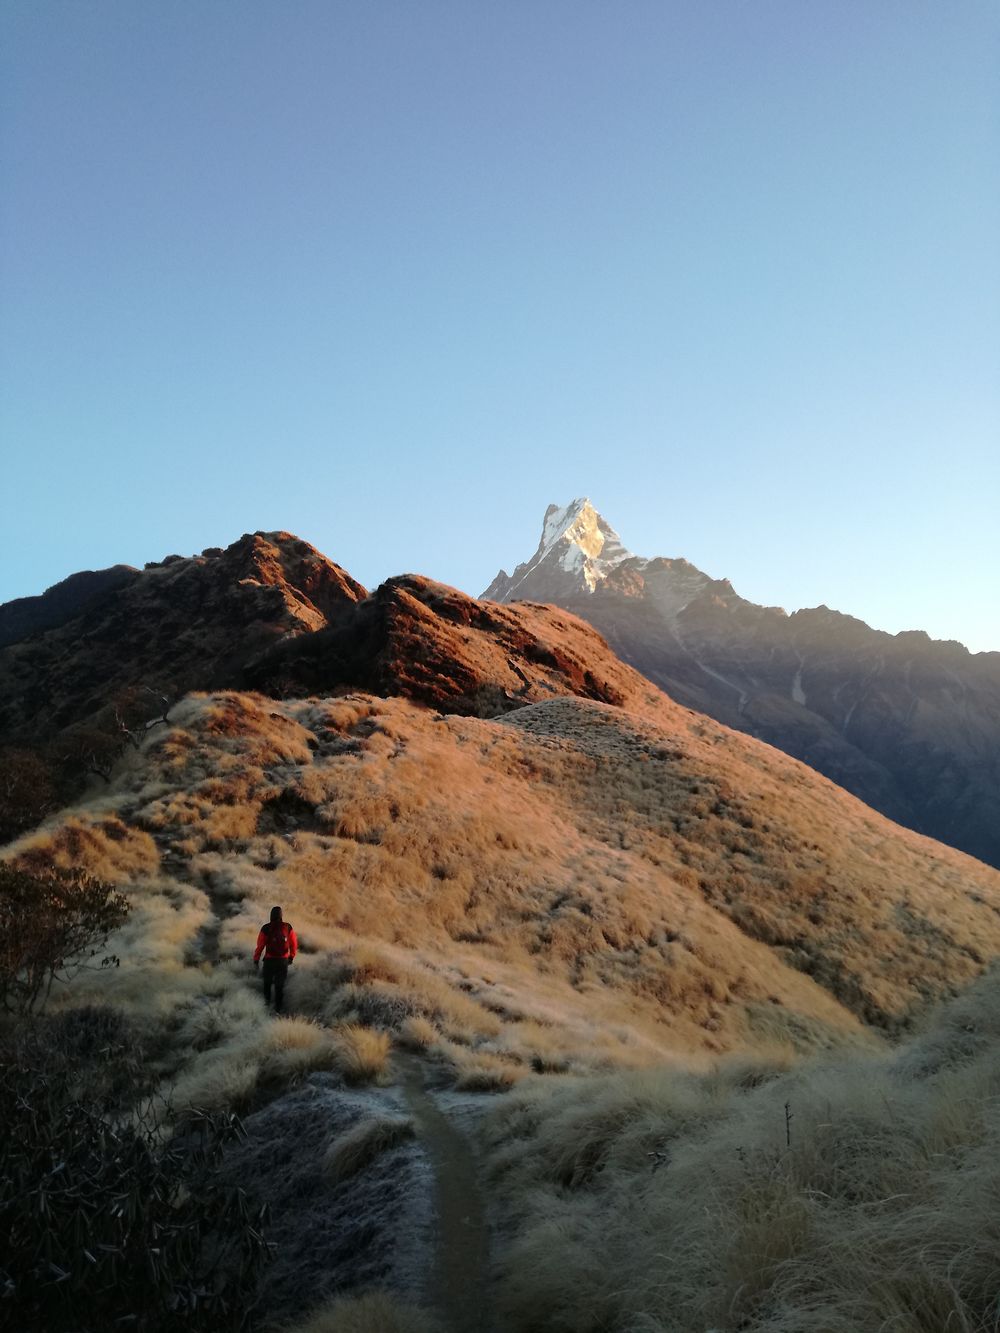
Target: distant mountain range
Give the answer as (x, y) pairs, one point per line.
(909, 724)
(476, 781)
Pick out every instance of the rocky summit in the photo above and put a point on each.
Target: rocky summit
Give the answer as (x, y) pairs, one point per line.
(909, 724)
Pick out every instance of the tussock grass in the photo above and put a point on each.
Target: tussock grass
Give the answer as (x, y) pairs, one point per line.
(858, 1195)
(99, 842)
(484, 1072)
(417, 1034)
(361, 1054)
(374, 1313)
(224, 1079)
(155, 974)
(258, 1053)
(296, 1046)
(359, 1146)
(216, 1019)
(572, 887)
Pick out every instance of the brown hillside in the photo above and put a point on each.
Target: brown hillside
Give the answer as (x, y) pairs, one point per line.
(551, 860)
(180, 625)
(571, 884)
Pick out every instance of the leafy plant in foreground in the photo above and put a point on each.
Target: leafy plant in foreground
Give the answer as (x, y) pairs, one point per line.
(102, 1223)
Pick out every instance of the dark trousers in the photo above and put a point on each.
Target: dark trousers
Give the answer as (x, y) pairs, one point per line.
(274, 972)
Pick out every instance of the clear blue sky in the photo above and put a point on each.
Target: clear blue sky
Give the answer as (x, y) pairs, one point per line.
(396, 275)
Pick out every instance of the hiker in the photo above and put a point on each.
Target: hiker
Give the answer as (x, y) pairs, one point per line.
(278, 944)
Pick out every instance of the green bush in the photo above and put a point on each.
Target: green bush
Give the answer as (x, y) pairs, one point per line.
(102, 1224)
(51, 925)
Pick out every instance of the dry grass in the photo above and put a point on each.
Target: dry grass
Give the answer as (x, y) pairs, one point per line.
(580, 889)
(374, 1313)
(571, 888)
(417, 1034)
(256, 1053)
(485, 1073)
(362, 1054)
(359, 1146)
(857, 1197)
(106, 845)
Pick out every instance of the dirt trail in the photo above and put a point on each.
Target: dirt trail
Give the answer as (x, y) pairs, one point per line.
(458, 1284)
(222, 906)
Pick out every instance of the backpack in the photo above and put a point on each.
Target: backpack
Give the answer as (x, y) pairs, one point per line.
(277, 945)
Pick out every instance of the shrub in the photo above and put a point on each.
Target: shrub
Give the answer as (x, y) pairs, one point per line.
(483, 1072)
(51, 925)
(101, 1225)
(27, 791)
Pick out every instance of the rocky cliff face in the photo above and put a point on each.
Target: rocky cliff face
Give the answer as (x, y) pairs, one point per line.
(910, 725)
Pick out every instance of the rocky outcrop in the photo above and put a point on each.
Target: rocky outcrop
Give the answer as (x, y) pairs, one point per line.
(428, 642)
(908, 724)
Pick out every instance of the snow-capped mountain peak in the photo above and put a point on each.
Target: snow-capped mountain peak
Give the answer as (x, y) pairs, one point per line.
(576, 544)
(587, 540)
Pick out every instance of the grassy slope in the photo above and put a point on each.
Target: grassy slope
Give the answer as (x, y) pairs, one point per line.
(851, 1197)
(570, 887)
(579, 888)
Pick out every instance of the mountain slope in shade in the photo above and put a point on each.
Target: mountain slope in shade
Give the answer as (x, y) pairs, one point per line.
(908, 724)
(183, 624)
(63, 601)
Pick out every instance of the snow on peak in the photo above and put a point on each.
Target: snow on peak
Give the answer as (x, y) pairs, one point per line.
(557, 520)
(580, 542)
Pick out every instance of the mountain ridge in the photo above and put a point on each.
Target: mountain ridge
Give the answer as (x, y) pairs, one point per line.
(908, 723)
(910, 726)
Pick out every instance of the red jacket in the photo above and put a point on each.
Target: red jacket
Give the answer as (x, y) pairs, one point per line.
(277, 945)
